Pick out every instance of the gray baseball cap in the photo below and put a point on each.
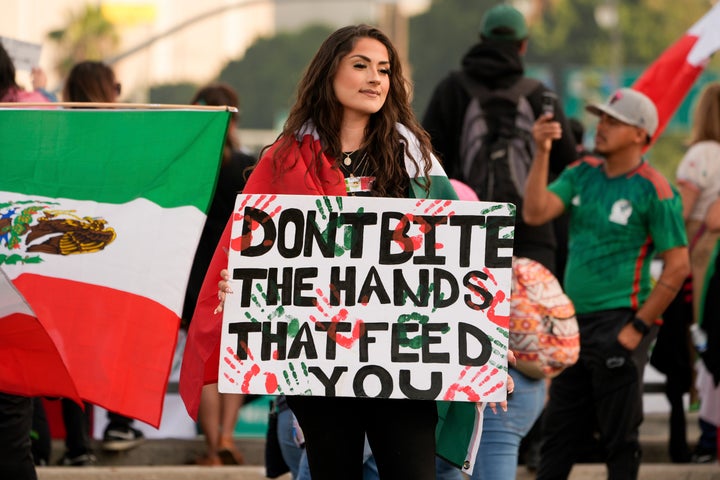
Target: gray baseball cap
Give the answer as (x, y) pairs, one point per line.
(631, 107)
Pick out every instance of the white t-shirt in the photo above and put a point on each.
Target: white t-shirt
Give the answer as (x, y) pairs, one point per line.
(701, 167)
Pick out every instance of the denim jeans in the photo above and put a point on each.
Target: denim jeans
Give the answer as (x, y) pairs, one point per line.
(291, 453)
(445, 470)
(502, 431)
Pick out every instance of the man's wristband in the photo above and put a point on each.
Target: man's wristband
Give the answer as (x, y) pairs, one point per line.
(639, 325)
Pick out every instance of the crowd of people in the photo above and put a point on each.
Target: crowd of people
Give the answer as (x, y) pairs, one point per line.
(352, 119)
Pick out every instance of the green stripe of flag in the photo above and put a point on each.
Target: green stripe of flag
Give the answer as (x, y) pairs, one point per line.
(440, 187)
(112, 156)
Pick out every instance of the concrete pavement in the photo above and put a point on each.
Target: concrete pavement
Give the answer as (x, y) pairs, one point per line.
(171, 459)
(580, 472)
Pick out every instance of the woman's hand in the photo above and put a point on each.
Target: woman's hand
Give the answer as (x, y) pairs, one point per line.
(510, 385)
(223, 289)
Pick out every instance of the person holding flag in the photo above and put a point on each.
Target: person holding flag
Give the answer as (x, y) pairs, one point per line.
(622, 213)
(350, 132)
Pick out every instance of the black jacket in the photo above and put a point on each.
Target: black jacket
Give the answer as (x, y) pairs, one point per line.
(231, 181)
(496, 65)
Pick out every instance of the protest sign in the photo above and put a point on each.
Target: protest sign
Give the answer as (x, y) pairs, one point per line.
(24, 55)
(368, 297)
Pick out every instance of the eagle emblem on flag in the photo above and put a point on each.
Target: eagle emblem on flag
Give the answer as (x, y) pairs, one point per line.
(42, 228)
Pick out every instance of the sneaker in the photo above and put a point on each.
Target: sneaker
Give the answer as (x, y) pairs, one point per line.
(118, 439)
(703, 455)
(84, 460)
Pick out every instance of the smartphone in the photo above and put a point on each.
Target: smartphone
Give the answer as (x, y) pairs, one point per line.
(548, 103)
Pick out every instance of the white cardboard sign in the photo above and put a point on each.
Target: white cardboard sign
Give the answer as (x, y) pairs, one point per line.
(368, 297)
(25, 55)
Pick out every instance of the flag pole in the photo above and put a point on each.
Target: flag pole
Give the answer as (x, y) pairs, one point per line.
(118, 105)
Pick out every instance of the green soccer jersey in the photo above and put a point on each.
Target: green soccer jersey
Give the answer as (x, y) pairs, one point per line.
(616, 226)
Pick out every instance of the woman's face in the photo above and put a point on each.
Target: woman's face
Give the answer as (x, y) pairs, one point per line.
(362, 80)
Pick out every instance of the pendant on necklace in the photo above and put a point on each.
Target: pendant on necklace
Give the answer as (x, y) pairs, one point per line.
(347, 161)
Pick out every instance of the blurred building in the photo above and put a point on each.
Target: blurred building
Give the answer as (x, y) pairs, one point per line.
(189, 41)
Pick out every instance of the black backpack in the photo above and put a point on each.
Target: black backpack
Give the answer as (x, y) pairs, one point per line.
(496, 144)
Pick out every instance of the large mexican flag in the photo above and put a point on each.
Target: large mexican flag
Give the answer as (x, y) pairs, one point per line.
(100, 215)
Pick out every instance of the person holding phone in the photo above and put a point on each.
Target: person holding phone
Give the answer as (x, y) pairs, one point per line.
(496, 63)
(622, 213)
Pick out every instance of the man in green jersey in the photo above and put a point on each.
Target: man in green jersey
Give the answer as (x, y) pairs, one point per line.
(622, 214)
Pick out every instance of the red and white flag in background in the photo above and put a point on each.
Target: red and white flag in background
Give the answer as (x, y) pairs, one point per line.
(669, 78)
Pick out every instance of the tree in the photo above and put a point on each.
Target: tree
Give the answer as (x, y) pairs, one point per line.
(564, 33)
(568, 30)
(438, 40)
(266, 77)
(173, 93)
(88, 35)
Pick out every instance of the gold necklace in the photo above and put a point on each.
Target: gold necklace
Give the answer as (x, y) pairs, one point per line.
(348, 157)
(356, 167)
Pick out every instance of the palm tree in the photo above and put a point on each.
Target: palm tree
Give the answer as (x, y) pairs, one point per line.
(88, 35)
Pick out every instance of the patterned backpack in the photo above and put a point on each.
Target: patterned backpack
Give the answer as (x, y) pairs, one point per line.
(544, 332)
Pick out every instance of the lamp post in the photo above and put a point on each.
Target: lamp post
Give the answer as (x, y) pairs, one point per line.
(607, 16)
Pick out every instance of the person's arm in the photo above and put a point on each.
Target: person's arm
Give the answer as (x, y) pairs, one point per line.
(689, 194)
(39, 83)
(676, 268)
(540, 205)
(712, 217)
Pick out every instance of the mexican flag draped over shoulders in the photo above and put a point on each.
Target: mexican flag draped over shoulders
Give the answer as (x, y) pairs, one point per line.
(460, 423)
(100, 215)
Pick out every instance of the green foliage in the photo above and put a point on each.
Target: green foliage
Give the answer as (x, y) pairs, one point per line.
(438, 40)
(266, 77)
(565, 37)
(667, 152)
(173, 93)
(567, 32)
(650, 26)
(87, 35)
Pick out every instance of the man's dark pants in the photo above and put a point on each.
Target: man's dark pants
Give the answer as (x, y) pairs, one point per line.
(602, 391)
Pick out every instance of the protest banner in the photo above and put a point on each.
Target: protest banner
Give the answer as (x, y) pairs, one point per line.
(368, 297)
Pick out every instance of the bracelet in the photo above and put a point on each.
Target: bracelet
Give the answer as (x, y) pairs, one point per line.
(669, 287)
(639, 325)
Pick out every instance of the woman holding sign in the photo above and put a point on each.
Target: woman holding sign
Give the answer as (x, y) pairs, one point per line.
(350, 132)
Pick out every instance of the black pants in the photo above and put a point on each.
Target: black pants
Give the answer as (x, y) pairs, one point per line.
(401, 434)
(16, 461)
(77, 428)
(115, 420)
(602, 390)
(41, 439)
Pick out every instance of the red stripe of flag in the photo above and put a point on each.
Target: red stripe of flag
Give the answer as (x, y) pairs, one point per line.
(81, 320)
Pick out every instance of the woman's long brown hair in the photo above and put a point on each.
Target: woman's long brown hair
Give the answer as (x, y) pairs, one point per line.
(706, 120)
(316, 102)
